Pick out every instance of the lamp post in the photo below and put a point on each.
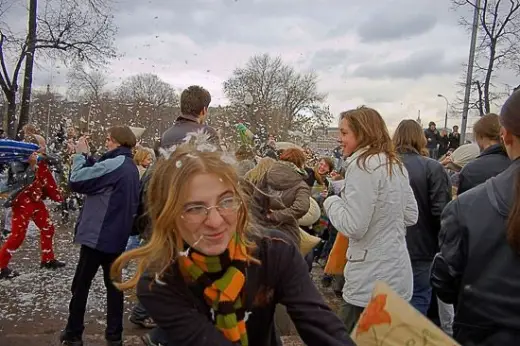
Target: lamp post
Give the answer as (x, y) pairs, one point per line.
(248, 101)
(446, 114)
(469, 74)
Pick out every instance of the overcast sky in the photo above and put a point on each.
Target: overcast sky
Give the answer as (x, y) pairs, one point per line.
(394, 55)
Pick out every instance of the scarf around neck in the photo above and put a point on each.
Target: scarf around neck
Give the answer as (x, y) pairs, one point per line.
(224, 295)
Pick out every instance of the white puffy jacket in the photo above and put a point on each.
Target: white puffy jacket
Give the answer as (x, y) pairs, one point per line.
(373, 212)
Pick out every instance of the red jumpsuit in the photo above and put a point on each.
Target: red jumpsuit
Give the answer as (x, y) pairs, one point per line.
(29, 205)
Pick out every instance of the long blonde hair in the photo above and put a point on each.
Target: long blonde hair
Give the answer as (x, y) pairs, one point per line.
(256, 175)
(167, 188)
(371, 132)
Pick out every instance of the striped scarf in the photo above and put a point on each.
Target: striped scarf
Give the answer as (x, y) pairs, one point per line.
(224, 294)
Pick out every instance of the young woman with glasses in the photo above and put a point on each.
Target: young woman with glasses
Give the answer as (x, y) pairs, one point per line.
(206, 277)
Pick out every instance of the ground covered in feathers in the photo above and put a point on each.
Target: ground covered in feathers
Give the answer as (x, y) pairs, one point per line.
(34, 306)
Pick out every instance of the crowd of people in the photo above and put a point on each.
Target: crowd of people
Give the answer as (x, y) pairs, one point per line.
(220, 245)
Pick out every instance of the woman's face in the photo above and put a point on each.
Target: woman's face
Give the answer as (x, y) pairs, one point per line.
(323, 168)
(210, 214)
(347, 139)
(147, 161)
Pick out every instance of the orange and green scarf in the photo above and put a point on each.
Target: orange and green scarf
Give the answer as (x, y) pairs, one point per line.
(224, 295)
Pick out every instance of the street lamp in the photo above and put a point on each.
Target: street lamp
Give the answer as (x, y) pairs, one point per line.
(248, 99)
(447, 105)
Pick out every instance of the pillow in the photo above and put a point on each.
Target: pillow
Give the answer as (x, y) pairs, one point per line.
(312, 216)
(307, 242)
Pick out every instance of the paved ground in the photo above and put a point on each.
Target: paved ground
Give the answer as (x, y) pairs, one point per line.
(34, 306)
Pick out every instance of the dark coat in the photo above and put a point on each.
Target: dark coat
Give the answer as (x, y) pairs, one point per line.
(185, 124)
(432, 190)
(281, 278)
(111, 186)
(489, 163)
(476, 267)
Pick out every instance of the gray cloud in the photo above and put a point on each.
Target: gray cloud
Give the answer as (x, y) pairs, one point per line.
(415, 66)
(202, 41)
(327, 59)
(386, 28)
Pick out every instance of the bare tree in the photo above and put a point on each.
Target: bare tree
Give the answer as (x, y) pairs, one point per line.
(498, 49)
(150, 100)
(148, 89)
(67, 30)
(283, 99)
(86, 85)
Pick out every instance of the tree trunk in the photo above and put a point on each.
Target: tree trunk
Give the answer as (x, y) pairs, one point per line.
(480, 101)
(11, 116)
(29, 64)
(489, 73)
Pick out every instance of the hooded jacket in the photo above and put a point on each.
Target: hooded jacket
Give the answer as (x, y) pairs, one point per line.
(111, 186)
(373, 211)
(476, 267)
(284, 196)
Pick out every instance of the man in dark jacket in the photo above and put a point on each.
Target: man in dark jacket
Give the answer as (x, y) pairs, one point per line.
(444, 143)
(454, 138)
(432, 136)
(195, 102)
(111, 186)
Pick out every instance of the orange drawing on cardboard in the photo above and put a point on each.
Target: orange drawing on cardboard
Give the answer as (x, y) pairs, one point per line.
(374, 314)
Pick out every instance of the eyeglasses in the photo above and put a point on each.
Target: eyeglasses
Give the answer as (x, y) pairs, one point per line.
(199, 213)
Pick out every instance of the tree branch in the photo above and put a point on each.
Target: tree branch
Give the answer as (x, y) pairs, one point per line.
(5, 76)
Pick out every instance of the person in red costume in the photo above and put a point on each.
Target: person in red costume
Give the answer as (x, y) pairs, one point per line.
(32, 182)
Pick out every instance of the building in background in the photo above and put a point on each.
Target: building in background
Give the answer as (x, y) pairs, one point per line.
(324, 140)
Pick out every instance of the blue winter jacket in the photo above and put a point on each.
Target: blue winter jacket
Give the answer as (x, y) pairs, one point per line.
(111, 186)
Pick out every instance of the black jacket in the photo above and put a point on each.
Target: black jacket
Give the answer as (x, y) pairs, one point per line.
(432, 137)
(432, 189)
(488, 164)
(185, 124)
(444, 143)
(454, 140)
(142, 224)
(281, 278)
(477, 268)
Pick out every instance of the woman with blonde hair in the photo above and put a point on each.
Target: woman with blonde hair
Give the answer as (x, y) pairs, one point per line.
(282, 196)
(143, 158)
(256, 174)
(205, 277)
(373, 210)
(432, 189)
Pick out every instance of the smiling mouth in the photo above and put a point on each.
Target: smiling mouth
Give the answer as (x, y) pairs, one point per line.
(214, 236)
